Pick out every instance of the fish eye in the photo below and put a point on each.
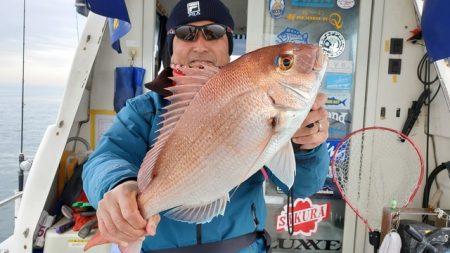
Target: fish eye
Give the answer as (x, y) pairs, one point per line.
(285, 62)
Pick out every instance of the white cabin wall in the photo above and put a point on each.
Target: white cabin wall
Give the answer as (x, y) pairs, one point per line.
(108, 59)
(396, 20)
(398, 91)
(99, 94)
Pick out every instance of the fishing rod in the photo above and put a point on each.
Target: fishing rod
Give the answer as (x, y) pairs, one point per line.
(21, 155)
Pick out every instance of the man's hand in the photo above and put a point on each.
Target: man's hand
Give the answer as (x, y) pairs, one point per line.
(314, 130)
(119, 219)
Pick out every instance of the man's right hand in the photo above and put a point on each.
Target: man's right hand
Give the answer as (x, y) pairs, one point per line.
(119, 219)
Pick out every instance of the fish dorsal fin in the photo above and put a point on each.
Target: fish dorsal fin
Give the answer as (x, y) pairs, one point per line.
(200, 213)
(187, 86)
(283, 165)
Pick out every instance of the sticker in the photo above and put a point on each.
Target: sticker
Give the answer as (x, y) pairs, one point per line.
(293, 244)
(340, 116)
(291, 35)
(338, 101)
(329, 189)
(337, 133)
(334, 81)
(331, 146)
(306, 217)
(340, 123)
(346, 4)
(276, 8)
(333, 43)
(313, 3)
(338, 130)
(340, 66)
(193, 9)
(334, 18)
(76, 243)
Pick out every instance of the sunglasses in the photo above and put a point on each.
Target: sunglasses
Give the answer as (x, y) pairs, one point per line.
(190, 32)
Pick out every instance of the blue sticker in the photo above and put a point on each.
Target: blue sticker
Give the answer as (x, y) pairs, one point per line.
(276, 8)
(292, 35)
(337, 132)
(331, 146)
(335, 81)
(313, 3)
(340, 123)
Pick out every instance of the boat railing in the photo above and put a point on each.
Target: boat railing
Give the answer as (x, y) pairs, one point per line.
(11, 198)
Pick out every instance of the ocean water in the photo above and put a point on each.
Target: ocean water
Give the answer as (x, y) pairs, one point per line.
(41, 108)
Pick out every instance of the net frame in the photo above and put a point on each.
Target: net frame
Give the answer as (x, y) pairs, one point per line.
(341, 154)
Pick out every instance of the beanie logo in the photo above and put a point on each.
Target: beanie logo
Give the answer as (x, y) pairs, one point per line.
(193, 9)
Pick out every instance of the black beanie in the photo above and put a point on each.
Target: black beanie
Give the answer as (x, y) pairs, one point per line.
(187, 11)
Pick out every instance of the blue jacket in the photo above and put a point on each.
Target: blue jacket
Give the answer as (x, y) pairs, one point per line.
(121, 150)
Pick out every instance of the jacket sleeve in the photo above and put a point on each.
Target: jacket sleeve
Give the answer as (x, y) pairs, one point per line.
(121, 150)
(312, 170)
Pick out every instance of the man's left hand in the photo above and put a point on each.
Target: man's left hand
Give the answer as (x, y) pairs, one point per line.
(314, 129)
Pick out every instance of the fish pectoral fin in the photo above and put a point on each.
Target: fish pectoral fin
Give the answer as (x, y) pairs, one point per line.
(283, 165)
(199, 213)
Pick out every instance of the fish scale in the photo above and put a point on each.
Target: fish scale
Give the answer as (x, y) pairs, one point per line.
(195, 143)
(218, 134)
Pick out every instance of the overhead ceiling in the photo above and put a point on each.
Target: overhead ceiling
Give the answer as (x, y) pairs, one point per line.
(238, 9)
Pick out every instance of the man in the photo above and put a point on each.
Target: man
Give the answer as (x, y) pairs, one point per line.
(199, 33)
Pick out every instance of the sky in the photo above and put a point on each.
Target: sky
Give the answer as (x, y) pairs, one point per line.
(50, 41)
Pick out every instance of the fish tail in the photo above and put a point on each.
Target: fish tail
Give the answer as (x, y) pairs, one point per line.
(97, 239)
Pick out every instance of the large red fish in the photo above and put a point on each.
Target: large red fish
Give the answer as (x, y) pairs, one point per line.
(222, 126)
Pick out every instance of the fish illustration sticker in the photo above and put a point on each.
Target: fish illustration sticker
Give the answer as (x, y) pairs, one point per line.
(276, 8)
(338, 101)
(346, 4)
(333, 43)
(292, 35)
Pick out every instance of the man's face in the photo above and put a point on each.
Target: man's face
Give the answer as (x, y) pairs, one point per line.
(201, 51)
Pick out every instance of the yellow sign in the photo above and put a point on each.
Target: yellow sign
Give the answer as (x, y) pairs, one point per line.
(334, 18)
(100, 121)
